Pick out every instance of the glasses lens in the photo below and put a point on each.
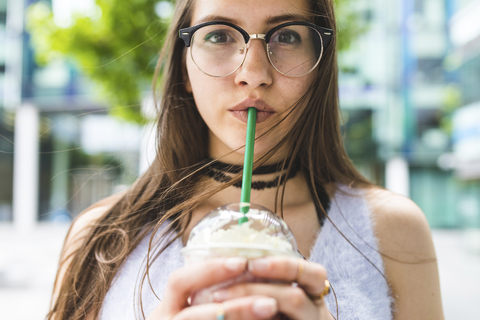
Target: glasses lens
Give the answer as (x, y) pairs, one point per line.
(218, 50)
(295, 50)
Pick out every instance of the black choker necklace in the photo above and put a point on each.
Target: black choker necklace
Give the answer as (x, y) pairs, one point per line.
(218, 169)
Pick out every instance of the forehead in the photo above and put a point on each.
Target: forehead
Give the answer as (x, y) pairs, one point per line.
(250, 13)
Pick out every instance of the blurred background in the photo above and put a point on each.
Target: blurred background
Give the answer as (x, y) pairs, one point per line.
(76, 108)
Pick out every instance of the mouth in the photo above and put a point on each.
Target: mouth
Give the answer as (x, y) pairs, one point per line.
(264, 111)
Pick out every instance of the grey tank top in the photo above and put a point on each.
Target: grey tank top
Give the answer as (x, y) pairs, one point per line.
(361, 290)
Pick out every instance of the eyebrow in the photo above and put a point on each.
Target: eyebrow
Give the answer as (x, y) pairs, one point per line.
(270, 20)
(212, 17)
(287, 17)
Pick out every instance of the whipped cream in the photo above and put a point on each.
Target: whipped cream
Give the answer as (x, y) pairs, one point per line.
(245, 234)
(222, 236)
(242, 235)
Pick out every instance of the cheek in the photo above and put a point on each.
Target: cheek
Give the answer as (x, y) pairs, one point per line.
(197, 86)
(295, 86)
(291, 90)
(204, 91)
(199, 82)
(207, 91)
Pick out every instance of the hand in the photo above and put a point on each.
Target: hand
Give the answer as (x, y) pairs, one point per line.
(294, 302)
(183, 282)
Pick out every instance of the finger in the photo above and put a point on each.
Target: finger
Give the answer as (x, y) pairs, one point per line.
(184, 281)
(292, 301)
(310, 276)
(252, 307)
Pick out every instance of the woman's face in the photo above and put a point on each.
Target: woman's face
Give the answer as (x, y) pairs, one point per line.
(222, 102)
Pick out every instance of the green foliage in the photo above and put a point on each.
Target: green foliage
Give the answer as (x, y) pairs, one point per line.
(358, 140)
(350, 24)
(118, 48)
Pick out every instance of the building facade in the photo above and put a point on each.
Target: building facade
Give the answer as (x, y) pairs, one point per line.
(401, 74)
(60, 150)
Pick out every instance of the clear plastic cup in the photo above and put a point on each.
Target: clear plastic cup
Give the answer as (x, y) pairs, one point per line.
(219, 234)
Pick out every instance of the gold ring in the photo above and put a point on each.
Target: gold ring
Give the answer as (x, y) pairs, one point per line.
(319, 296)
(220, 312)
(300, 270)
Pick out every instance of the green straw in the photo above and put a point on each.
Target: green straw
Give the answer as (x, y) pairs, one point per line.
(248, 164)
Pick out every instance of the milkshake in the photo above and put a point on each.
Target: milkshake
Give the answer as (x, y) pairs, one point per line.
(219, 234)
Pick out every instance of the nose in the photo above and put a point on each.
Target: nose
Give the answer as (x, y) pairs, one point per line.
(256, 70)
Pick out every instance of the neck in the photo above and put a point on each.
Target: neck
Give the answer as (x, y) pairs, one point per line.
(296, 192)
(295, 205)
(260, 170)
(265, 177)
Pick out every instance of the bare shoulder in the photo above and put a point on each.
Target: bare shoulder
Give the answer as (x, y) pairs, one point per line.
(386, 204)
(85, 220)
(406, 244)
(400, 225)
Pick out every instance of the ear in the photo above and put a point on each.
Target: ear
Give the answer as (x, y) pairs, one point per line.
(187, 84)
(186, 79)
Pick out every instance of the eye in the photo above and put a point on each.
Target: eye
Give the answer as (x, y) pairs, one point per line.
(286, 36)
(219, 37)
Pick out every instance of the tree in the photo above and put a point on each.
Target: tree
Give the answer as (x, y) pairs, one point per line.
(118, 47)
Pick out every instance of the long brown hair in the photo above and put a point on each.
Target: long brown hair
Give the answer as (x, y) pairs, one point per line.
(169, 189)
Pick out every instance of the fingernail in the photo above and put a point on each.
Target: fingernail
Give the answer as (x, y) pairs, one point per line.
(265, 307)
(219, 296)
(259, 265)
(235, 263)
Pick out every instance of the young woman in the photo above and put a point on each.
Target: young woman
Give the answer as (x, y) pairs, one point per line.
(121, 259)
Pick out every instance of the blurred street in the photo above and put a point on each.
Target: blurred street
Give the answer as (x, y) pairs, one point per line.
(28, 264)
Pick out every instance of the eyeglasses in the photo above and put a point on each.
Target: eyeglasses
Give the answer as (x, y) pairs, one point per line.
(219, 48)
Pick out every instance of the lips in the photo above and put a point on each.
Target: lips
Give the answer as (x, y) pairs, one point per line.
(264, 111)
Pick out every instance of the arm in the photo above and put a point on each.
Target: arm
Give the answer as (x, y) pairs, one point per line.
(74, 240)
(409, 256)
